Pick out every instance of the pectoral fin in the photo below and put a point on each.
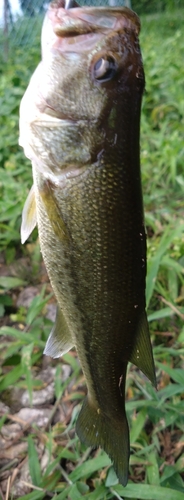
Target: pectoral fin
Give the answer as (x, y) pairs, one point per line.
(29, 220)
(53, 212)
(59, 341)
(142, 355)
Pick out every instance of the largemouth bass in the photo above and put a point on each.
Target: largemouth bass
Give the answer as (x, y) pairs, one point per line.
(79, 125)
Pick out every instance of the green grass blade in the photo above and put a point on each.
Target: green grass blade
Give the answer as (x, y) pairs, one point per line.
(168, 262)
(36, 307)
(169, 391)
(154, 262)
(176, 374)
(12, 332)
(2, 420)
(11, 377)
(137, 425)
(26, 365)
(34, 464)
(17, 372)
(34, 495)
(77, 490)
(11, 282)
(100, 493)
(88, 468)
(64, 494)
(152, 470)
(166, 312)
(25, 337)
(148, 492)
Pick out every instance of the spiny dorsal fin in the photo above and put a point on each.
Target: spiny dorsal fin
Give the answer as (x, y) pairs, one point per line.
(29, 220)
(142, 355)
(59, 341)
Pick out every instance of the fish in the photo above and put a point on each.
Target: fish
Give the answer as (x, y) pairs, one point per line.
(80, 127)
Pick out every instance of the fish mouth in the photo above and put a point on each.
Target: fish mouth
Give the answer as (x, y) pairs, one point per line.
(52, 116)
(76, 21)
(78, 29)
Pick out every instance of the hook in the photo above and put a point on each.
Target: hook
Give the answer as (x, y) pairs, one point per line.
(68, 4)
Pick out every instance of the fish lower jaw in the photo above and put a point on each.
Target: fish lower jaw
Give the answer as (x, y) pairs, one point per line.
(54, 119)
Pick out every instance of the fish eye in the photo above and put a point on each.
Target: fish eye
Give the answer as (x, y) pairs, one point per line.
(104, 69)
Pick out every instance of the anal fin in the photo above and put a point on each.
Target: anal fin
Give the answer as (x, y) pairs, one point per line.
(142, 355)
(29, 220)
(60, 340)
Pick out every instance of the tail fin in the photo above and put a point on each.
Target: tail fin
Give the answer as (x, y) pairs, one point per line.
(95, 429)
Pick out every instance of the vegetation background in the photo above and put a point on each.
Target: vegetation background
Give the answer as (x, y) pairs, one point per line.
(40, 455)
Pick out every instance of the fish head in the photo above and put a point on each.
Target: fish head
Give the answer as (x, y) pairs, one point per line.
(88, 55)
(91, 63)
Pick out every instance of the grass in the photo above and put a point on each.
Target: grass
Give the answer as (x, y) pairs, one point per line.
(59, 466)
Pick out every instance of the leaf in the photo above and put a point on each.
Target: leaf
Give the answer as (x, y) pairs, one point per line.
(11, 378)
(6, 300)
(167, 473)
(50, 482)
(169, 391)
(2, 310)
(137, 425)
(154, 262)
(8, 330)
(34, 495)
(36, 307)
(88, 468)
(34, 464)
(100, 493)
(64, 494)
(3, 420)
(166, 312)
(175, 481)
(176, 374)
(77, 490)
(169, 262)
(172, 284)
(65, 453)
(152, 470)
(24, 337)
(148, 492)
(58, 383)
(9, 282)
(179, 465)
(111, 478)
(26, 365)
(181, 336)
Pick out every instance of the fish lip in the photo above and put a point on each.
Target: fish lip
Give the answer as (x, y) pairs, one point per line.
(84, 20)
(56, 119)
(51, 114)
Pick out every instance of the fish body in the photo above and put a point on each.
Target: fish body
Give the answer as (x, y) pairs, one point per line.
(79, 125)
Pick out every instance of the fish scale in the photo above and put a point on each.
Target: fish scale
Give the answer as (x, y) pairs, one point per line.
(87, 259)
(79, 125)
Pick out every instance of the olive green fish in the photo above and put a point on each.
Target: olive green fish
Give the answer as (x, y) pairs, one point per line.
(79, 125)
